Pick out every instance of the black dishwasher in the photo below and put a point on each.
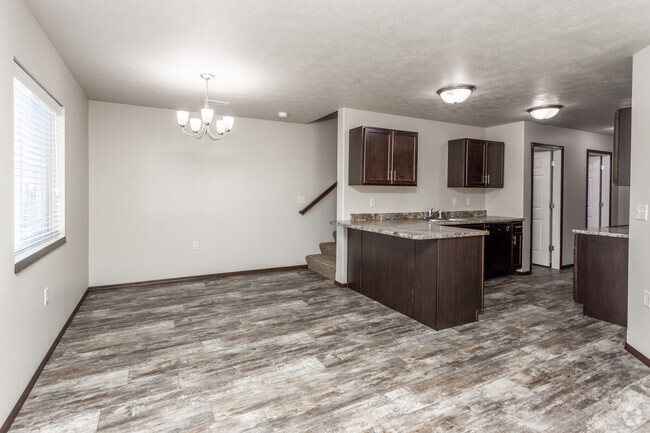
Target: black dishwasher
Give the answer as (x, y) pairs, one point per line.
(497, 250)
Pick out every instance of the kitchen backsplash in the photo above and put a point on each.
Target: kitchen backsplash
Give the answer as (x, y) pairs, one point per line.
(415, 215)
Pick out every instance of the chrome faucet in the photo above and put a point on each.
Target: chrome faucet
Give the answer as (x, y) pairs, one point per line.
(433, 211)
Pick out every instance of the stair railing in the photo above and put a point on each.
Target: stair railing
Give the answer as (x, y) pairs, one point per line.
(315, 201)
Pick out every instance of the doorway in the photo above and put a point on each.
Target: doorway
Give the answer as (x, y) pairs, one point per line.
(599, 188)
(547, 172)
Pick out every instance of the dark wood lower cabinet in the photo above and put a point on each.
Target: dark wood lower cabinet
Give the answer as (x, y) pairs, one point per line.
(386, 263)
(460, 285)
(354, 260)
(438, 282)
(600, 277)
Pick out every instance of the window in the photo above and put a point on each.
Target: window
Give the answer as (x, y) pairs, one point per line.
(39, 177)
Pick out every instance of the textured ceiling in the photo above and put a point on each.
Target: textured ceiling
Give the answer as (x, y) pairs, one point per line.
(310, 57)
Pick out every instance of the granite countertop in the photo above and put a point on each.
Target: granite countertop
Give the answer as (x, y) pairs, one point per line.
(412, 229)
(485, 219)
(612, 232)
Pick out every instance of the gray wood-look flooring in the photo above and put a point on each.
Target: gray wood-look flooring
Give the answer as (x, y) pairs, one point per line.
(290, 352)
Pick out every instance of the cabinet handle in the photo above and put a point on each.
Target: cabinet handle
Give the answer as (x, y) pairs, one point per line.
(514, 240)
(488, 179)
(394, 175)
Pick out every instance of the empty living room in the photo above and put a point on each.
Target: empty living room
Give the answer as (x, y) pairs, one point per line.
(332, 216)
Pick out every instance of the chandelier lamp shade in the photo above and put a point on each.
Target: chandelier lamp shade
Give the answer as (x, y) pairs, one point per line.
(200, 128)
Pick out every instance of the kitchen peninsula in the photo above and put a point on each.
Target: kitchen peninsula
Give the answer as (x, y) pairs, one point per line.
(427, 271)
(600, 272)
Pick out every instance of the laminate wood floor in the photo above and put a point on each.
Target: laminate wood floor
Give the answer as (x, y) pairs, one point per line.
(290, 352)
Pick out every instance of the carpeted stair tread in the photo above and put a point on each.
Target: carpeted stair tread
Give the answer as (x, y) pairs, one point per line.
(323, 264)
(328, 248)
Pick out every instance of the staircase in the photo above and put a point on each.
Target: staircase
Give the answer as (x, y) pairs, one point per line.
(325, 262)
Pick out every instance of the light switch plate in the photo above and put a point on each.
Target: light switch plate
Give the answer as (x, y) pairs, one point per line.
(372, 202)
(646, 299)
(642, 212)
(301, 199)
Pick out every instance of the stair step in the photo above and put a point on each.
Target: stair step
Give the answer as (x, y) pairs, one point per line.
(328, 248)
(324, 265)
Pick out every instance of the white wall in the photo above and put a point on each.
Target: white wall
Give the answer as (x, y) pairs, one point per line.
(509, 200)
(575, 145)
(432, 188)
(638, 317)
(154, 191)
(514, 199)
(620, 205)
(28, 328)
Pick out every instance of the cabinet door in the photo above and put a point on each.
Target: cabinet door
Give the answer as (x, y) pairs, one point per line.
(475, 163)
(516, 250)
(405, 158)
(494, 161)
(376, 156)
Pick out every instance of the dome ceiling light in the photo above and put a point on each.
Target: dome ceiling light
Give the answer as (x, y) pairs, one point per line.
(455, 94)
(544, 112)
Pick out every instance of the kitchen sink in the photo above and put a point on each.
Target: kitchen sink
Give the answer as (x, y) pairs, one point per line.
(442, 220)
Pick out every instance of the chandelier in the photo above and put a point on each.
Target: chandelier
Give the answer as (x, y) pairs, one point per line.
(201, 127)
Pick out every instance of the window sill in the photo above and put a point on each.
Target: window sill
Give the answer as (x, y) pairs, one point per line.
(33, 256)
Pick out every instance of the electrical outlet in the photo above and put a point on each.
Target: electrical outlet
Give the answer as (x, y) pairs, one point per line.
(195, 245)
(469, 201)
(372, 202)
(454, 201)
(642, 212)
(301, 199)
(46, 296)
(646, 298)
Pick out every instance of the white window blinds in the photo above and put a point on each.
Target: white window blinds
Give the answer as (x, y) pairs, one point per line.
(39, 202)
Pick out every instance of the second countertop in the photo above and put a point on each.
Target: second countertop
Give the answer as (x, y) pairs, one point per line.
(413, 229)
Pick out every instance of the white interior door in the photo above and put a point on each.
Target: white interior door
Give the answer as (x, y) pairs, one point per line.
(605, 185)
(556, 213)
(541, 222)
(593, 192)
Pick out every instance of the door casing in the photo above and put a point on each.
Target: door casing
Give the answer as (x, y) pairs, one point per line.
(553, 148)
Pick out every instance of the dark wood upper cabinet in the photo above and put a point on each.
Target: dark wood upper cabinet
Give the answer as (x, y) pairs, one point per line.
(475, 163)
(383, 157)
(405, 158)
(494, 167)
(622, 146)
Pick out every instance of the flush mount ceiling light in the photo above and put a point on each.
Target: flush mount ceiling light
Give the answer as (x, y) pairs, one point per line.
(545, 111)
(283, 114)
(455, 94)
(201, 127)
